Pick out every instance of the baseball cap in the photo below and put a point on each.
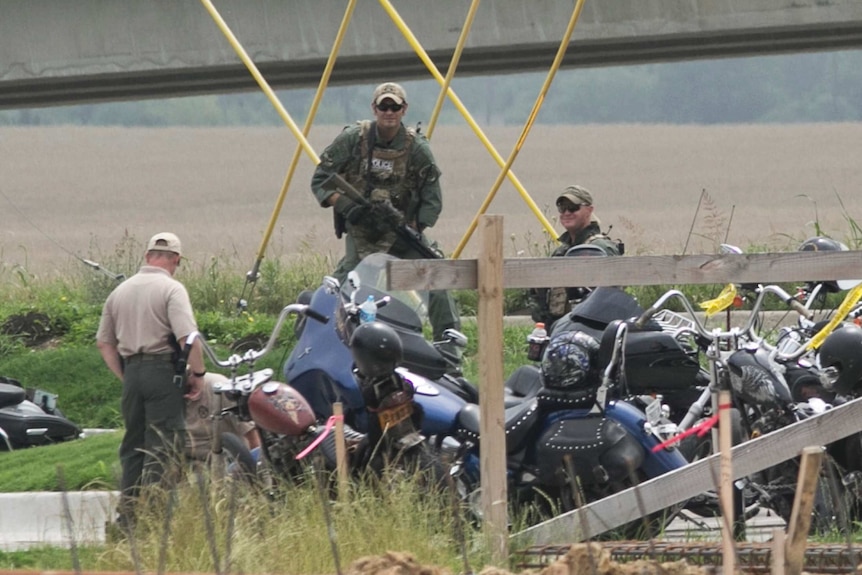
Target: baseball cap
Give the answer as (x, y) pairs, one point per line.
(165, 242)
(576, 195)
(389, 90)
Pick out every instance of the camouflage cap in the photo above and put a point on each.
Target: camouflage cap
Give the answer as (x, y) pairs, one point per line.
(578, 195)
(165, 242)
(389, 90)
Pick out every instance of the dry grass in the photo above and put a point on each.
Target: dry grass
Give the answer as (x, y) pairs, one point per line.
(85, 188)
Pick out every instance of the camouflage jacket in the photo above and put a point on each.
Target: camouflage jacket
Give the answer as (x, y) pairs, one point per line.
(549, 304)
(404, 167)
(592, 235)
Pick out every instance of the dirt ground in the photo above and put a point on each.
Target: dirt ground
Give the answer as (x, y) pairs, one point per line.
(74, 190)
(582, 559)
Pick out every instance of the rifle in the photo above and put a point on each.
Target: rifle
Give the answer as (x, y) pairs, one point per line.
(410, 236)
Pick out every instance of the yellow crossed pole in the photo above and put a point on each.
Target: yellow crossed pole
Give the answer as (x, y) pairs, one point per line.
(561, 51)
(453, 65)
(261, 81)
(417, 47)
(300, 136)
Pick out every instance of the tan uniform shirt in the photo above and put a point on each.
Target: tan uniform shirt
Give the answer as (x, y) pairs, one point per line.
(142, 311)
(199, 424)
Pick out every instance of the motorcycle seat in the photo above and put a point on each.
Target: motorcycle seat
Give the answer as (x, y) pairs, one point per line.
(11, 395)
(558, 400)
(524, 383)
(519, 419)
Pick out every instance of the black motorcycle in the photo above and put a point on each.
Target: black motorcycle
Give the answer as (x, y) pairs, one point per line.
(30, 417)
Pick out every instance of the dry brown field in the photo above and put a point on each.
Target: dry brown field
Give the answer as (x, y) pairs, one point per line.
(79, 190)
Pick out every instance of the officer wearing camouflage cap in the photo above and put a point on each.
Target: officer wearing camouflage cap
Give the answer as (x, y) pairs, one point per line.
(575, 206)
(390, 164)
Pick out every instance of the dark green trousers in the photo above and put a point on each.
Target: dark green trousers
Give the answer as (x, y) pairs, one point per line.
(442, 311)
(153, 410)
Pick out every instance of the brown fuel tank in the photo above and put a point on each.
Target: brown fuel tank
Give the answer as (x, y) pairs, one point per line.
(279, 408)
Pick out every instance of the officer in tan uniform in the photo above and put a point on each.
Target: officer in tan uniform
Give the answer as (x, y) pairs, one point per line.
(389, 163)
(575, 206)
(141, 322)
(200, 409)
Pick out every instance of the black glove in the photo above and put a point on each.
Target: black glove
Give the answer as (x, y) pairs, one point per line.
(352, 212)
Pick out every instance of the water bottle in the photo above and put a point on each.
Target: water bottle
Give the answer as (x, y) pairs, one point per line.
(537, 340)
(368, 310)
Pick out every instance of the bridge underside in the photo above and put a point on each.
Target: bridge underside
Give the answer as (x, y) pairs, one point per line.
(70, 70)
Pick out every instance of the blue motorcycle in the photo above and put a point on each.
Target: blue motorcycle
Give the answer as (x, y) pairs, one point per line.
(577, 440)
(320, 366)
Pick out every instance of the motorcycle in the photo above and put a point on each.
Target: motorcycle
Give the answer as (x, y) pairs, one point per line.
(772, 386)
(30, 417)
(319, 366)
(287, 424)
(577, 440)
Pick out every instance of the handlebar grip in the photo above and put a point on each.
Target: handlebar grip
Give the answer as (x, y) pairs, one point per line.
(316, 316)
(797, 306)
(645, 317)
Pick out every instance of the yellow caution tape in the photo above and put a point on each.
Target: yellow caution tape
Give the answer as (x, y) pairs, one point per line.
(721, 303)
(850, 300)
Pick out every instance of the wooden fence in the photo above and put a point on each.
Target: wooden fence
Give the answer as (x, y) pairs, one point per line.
(490, 274)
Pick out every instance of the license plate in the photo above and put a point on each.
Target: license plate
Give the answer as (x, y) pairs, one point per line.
(395, 415)
(653, 412)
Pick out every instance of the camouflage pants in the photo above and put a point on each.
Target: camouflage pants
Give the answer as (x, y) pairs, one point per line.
(442, 312)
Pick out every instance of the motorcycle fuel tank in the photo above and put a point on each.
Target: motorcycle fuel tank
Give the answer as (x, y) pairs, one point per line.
(279, 408)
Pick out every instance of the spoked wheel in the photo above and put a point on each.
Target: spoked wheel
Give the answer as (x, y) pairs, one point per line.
(833, 502)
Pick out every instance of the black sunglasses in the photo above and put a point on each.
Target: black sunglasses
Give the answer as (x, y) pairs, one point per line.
(384, 107)
(572, 208)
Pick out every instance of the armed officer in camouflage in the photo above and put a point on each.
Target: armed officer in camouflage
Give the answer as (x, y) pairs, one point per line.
(575, 206)
(393, 167)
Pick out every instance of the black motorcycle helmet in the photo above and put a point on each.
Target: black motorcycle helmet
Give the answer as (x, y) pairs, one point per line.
(841, 361)
(376, 349)
(566, 362)
(823, 244)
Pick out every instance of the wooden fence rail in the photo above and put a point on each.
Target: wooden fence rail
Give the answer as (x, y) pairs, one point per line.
(489, 277)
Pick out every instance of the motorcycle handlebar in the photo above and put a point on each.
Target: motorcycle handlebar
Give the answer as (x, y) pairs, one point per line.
(701, 330)
(252, 355)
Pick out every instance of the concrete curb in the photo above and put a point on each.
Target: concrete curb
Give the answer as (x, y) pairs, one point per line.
(42, 518)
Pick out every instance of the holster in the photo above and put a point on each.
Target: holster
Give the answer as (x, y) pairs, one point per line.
(180, 358)
(339, 223)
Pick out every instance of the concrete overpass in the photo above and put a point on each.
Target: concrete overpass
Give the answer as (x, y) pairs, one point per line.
(55, 52)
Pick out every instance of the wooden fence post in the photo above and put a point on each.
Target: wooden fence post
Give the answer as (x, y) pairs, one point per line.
(800, 516)
(728, 550)
(492, 428)
(340, 450)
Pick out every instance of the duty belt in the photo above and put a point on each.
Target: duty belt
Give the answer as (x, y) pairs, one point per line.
(140, 357)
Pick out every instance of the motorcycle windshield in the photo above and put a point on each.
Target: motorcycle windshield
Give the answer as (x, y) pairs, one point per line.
(408, 308)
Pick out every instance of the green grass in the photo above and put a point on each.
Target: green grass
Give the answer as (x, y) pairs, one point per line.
(65, 361)
(89, 463)
(285, 533)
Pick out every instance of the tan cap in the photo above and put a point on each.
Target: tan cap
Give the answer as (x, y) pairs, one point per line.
(576, 195)
(389, 90)
(165, 242)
